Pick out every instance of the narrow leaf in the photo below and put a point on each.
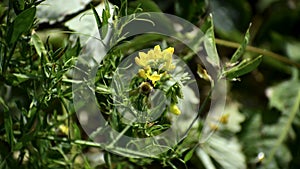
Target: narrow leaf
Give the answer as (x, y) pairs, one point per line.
(21, 24)
(244, 67)
(38, 44)
(189, 155)
(8, 125)
(210, 45)
(107, 159)
(98, 20)
(240, 51)
(105, 17)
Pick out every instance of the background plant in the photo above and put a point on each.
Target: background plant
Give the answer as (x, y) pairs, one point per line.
(40, 44)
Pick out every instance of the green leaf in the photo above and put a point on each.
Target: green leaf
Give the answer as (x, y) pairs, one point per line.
(123, 8)
(189, 155)
(244, 67)
(18, 5)
(283, 95)
(3, 164)
(107, 159)
(4, 105)
(105, 17)
(8, 125)
(227, 152)
(286, 98)
(210, 45)
(98, 20)
(240, 51)
(21, 24)
(293, 50)
(38, 44)
(146, 5)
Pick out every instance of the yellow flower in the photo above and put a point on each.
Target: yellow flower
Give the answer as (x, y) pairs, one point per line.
(142, 60)
(142, 73)
(156, 58)
(64, 129)
(174, 109)
(154, 77)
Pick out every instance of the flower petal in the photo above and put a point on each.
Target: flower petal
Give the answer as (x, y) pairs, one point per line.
(142, 73)
(174, 109)
(169, 50)
(157, 48)
(154, 77)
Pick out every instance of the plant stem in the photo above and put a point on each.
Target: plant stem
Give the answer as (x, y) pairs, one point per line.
(259, 51)
(119, 136)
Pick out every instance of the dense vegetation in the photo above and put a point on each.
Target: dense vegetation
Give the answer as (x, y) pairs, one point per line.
(59, 57)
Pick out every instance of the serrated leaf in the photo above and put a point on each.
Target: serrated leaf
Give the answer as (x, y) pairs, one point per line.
(21, 24)
(240, 51)
(210, 45)
(244, 67)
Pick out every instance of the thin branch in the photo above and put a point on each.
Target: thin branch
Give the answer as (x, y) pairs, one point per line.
(259, 51)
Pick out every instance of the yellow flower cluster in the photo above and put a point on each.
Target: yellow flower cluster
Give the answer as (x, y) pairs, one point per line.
(155, 64)
(160, 61)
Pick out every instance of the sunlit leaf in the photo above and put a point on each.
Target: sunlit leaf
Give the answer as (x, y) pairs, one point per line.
(38, 45)
(240, 51)
(210, 46)
(189, 155)
(244, 67)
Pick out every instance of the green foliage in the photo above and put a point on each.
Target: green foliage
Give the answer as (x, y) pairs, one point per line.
(259, 127)
(21, 24)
